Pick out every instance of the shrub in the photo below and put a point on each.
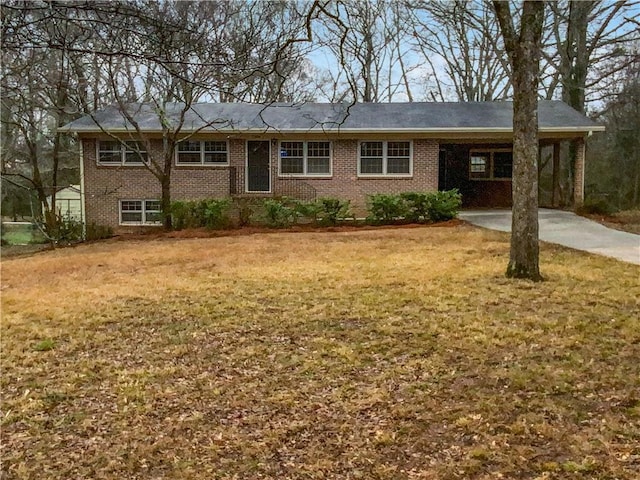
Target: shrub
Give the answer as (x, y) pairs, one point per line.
(210, 213)
(216, 213)
(98, 232)
(596, 206)
(443, 205)
(331, 210)
(386, 208)
(417, 205)
(280, 212)
(246, 208)
(308, 210)
(62, 229)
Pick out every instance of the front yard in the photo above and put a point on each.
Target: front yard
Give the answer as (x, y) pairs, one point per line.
(379, 354)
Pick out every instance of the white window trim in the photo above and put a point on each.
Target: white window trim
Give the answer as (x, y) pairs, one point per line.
(490, 151)
(305, 158)
(202, 153)
(144, 212)
(123, 155)
(384, 161)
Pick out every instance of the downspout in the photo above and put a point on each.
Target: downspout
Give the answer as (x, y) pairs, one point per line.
(82, 196)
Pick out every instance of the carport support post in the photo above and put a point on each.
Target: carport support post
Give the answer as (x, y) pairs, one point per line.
(578, 178)
(555, 178)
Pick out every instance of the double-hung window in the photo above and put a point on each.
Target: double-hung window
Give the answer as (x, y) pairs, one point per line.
(385, 158)
(496, 164)
(112, 152)
(140, 212)
(202, 152)
(305, 158)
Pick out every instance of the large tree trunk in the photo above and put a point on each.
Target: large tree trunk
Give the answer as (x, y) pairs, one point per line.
(523, 260)
(524, 55)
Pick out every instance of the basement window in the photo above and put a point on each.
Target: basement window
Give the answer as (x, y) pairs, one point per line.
(140, 212)
(494, 164)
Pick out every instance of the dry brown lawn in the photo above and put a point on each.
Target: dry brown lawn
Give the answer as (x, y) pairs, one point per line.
(382, 354)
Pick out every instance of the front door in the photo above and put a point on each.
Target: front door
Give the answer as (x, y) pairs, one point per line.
(258, 174)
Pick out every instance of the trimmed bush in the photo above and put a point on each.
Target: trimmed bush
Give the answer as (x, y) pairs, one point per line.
(280, 212)
(386, 208)
(444, 205)
(414, 206)
(417, 204)
(332, 210)
(210, 213)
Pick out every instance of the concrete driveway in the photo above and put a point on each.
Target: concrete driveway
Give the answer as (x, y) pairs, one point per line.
(568, 229)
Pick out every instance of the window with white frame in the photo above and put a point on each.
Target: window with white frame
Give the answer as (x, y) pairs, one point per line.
(202, 152)
(113, 152)
(385, 158)
(140, 212)
(490, 164)
(305, 158)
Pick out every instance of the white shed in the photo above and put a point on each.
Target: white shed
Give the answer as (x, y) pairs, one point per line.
(69, 202)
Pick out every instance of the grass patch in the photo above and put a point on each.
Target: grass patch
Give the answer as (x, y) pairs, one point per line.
(44, 345)
(21, 234)
(382, 354)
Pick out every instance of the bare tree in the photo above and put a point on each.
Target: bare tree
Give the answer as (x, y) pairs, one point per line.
(461, 46)
(42, 90)
(524, 51)
(368, 50)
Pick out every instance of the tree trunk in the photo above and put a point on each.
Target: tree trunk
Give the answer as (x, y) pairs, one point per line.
(524, 55)
(523, 260)
(165, 201)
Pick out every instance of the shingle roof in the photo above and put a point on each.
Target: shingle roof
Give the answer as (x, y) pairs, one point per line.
(318, 117)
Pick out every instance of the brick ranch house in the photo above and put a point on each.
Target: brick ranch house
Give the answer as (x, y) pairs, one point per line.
(312, 150)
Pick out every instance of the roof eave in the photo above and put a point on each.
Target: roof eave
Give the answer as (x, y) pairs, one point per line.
(462, 130)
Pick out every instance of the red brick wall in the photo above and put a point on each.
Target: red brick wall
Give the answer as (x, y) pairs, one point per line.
(345, 183)
(106, 185)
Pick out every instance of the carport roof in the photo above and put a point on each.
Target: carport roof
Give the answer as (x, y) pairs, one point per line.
(414, 117)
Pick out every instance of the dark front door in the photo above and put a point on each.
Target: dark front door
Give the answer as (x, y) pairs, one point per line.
(258, 175)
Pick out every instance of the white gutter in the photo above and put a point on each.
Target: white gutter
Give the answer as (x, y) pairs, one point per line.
(585, 129)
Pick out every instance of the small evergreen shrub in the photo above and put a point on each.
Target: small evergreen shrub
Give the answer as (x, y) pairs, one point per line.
(385, 208)
(216, 213)
(332, 210)
(280, 212)
(417, 205)
(211, 213)
(308, 211)
(443, 205)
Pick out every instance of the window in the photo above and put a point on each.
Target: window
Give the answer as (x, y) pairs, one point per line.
(196, 152)
(490, 164)
(305, 158)
(385, 158)
(140, 212)
(112, 152)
